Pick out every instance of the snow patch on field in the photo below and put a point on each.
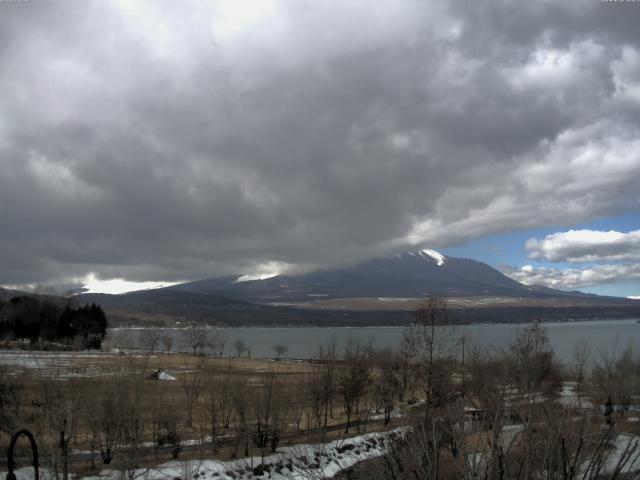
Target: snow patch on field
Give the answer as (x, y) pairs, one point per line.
(162, 376)
(61, 365)
(623, 456)
(296, 462)
(380, 416)
(399, 299)
(303, 461)
(569, 397)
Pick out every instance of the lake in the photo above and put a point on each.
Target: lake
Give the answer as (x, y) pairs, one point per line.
(604, 337)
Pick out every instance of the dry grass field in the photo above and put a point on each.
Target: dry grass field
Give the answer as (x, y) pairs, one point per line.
(142, 408)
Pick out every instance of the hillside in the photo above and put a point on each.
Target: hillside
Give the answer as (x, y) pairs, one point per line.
(411, 275)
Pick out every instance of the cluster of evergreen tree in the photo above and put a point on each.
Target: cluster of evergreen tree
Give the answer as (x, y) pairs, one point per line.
(33, 319)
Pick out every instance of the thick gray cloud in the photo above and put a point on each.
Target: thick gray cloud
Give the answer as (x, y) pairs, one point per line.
(176, 140)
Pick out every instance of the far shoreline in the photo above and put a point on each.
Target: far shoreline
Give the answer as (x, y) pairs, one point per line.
(187, 326)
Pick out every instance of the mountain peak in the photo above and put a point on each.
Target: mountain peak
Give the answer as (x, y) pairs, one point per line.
(437, 256)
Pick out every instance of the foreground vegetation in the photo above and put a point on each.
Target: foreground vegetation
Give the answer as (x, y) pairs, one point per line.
(471, 412)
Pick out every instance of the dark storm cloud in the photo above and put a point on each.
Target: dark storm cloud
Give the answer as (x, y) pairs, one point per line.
(168, 140)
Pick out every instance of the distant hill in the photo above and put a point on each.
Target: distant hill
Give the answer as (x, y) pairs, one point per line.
(7, 294)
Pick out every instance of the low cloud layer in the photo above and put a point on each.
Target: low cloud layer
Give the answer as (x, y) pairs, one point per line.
(574, 278)
(613, 257)
(163, 141)
(581, 246)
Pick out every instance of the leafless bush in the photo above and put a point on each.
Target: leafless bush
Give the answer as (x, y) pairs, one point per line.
(353, 378)
(531, 360)
(581, 356)
(196, 338)
(433, 341)
(616, 378)
(387, 382)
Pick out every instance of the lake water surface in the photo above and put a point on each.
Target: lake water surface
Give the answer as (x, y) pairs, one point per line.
(604, 337)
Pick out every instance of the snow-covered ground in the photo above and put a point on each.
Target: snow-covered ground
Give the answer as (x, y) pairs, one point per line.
(58, 364)
(161, 375)
(623, 456)
(380, 416)
(570, 398)
(61, 364)
(306, 461)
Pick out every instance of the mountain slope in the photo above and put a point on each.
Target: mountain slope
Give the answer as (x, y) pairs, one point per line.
(382, 291)
(408, 275)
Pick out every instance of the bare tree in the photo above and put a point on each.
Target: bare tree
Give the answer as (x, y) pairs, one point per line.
(118, 419)
(269, 409)
(353, 378)
(531, 359)
(581, 354)
(328, 356)
(219, 405)
(407, 351)
(549, 443)
(60, 405)
(299, 401)
(11, 397)
(241, 402)
(164, 417)
(616, 378)
(322, 385)
(386, 381)
(151, 339)
(280, 350)
(432, 337)
(196, 338)
(218, 343)
(192, 384)
(240, 347)
(167, 341)
(104, 421)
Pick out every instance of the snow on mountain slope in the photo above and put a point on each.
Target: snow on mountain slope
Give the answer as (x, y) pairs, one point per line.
(437, 256)
(408, 275)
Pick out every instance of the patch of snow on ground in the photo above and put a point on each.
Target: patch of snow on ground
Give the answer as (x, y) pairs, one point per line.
(52, 363)
(393, 299)
(512, 399)
(569, 398)
(162, 376)
(380, 416)
(295, 462)
(623, 456)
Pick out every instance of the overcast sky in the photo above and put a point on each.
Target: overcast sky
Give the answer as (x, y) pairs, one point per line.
(174, 140)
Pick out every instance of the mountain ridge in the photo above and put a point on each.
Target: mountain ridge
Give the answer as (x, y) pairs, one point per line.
(406, 275)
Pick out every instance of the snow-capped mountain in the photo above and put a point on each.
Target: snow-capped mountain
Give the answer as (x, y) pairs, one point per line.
(408, 275)
(376, 292)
